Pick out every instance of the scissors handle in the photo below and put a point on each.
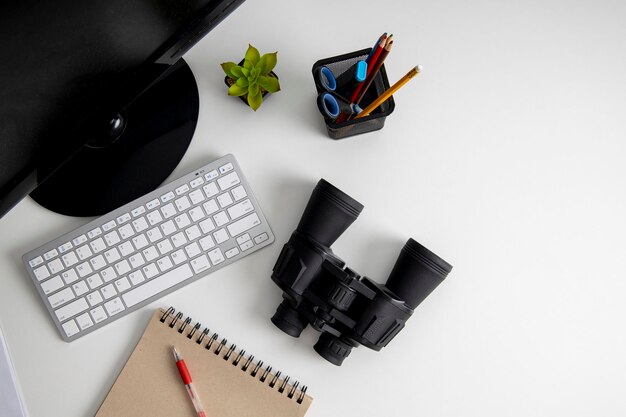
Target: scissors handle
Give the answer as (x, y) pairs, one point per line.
(332, 105)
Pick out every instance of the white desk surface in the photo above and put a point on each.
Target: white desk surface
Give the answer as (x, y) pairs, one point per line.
(505, 157)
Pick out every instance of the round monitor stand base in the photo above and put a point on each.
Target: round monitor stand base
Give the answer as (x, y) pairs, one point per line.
(146, 142)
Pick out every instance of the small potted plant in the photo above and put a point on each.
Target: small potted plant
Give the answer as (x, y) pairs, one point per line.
(252, 78)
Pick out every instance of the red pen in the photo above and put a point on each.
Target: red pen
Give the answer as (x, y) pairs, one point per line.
(186, 376)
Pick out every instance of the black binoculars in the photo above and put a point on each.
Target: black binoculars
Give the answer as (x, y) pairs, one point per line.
(348, 309)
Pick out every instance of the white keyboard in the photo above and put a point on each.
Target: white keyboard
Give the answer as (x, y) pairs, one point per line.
(147, 248)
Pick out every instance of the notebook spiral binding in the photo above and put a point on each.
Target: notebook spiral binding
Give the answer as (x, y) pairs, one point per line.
(229, 354)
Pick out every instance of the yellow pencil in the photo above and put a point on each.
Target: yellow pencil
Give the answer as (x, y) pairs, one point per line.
(384, 96)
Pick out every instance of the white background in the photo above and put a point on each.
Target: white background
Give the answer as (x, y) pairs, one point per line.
(505, 157)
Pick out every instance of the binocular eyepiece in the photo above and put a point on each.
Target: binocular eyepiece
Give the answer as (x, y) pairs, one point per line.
(348, 309)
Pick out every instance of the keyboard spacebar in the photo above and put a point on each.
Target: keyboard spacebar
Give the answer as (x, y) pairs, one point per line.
(161, 283)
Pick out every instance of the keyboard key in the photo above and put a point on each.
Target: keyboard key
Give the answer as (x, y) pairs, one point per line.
(182, 203)
(168, 210)
(126, 248)
(108, 274)
(123, 218)
(165, 246)
(98, 245)
(243, 238)
(84, 321)
(69, 276)
(239, 193)
(138, 211)
(108, 291)
(260, 238)
(122, 267)
(52, 285)
(51, 254)
(98, 314)
(83, 252)
(112, 255)
(182, 189)
(224, 200)
(114, 306)
(200, 264)
(94, 298)
(94, 233)
(72, 309)
(140, 224)
(211, 175)
(211, 190)
(94, 281)
(210, 207)
(167, 197)
(35, 262)
(153, 204)
(80, 288)
(151, 253)
(154, 217)
(196, 197)
(122, 284)
(162, 283)
(240, 209)
(164, 263)
(182, 221)
(192, 250)
(109, 226)
(206, 243)
(61, 297)
(65, 247)
(206, 226)
(246, 245)
(136, 278)
(126, 231)
(228, 181)
(220, 236)
(193, 232)
(196, 214)
(98, 262)
(244, 224)
(140, 241)
(232, 252)
(55, 266)
(168, 227)
(69, 259)
(216, 256)
(41, 273)
(112, 238)
(79, 240)
(179, 257)
(70, 328)
(150, 271)
(84, 269)
(136, 260)
(179, 239)
(154, 234)
(196, 182)
(226, 168)
(220, 218)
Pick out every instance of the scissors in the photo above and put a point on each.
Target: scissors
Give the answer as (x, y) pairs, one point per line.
(330, 103)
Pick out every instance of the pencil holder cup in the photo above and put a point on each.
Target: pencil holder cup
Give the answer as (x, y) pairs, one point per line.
(338, 65)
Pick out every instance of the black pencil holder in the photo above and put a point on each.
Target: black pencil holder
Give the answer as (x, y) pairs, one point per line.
(376, 120)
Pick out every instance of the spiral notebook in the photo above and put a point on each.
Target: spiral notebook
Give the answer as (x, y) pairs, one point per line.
(230, 382)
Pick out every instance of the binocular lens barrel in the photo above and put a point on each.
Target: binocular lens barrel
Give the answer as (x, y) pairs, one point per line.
(328, 213)
(417, 273)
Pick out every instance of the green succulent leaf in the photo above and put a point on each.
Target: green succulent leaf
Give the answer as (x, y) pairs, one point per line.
(236, 71)
(228, 67)
(236, 90)
(252, 55)
(242, 82)
(253, 89)
(267, 63)
(255, 100)
(269, 83)
(245, 72)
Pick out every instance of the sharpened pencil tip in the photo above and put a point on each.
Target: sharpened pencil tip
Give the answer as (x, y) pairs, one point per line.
(176, 354)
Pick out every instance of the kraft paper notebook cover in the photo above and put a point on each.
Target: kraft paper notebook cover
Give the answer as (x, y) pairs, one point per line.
(230, 383)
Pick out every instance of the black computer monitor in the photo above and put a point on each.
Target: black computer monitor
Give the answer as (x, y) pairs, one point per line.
(97, 106)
